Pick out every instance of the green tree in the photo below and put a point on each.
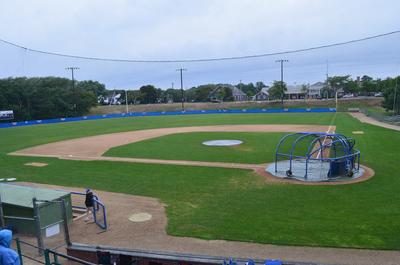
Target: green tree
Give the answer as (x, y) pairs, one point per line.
(391, 94)
(249, 89)
(277, 90)
(44, 97)
(304, 89)
(368, 85)
(148, 94)
(202, 92)
(95, 87)
(337, 83)
(259, 85)
(174, 95)
(351, 87)
(226, 93)
(134, 97)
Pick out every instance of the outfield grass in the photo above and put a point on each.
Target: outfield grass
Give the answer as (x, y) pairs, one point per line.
(216, 203)
(12, 139)
(256, 148)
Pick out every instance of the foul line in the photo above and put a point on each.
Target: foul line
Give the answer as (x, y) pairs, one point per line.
(328, 131)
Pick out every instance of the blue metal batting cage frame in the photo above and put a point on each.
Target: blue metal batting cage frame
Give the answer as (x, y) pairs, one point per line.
(343, 158)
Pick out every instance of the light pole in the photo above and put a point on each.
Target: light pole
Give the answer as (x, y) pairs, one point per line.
(281, 61)
(181, 71)
(72, 69)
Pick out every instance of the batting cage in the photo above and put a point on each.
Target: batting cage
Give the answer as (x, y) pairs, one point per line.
(316, 156)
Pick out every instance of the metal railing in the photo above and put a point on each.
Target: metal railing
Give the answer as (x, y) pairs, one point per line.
(49, 257)
(19, 243)
(98, 209)
(81, 194)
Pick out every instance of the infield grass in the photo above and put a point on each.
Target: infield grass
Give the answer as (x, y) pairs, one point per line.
(232, 204)
(257, 148)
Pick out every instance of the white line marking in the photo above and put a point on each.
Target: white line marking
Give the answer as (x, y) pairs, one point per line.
(323, 142)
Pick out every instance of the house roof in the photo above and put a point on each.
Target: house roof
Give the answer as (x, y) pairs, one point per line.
(237, 92)
(317, 86)
(294, 89)
(263, 90)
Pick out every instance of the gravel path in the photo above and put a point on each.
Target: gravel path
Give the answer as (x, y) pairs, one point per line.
(365, 119)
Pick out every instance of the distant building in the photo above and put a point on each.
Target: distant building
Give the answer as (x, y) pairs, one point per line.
(295, 92)
(238, 95)
(114, 99)
(315, 90)
(218, 93)
(262, 95)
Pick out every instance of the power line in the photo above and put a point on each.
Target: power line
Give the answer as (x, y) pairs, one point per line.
(203, 59)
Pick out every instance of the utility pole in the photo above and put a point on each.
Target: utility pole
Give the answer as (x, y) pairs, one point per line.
(181, 71)
(395, 98)
(72, 69)
(327, 78)
(283, 92)
(126, 101)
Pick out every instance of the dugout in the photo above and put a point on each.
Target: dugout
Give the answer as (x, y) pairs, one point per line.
(18, 212)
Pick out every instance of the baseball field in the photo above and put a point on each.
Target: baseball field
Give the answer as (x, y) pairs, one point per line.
(217, 202)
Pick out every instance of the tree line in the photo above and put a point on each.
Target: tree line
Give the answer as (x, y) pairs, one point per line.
(55, 97)
(48, 97)
(149, 94)
(389, 88)
(367, 86)
(364, 86)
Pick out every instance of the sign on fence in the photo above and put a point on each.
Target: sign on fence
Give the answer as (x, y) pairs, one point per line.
(6, 115)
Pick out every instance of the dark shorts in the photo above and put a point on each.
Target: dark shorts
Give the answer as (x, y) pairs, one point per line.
(89, 204)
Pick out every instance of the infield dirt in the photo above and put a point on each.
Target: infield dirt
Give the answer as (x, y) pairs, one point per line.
(93, 147)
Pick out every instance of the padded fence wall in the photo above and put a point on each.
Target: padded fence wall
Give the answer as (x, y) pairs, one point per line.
(164, 113)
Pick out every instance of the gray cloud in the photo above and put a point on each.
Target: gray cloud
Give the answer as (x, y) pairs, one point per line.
(197, 29)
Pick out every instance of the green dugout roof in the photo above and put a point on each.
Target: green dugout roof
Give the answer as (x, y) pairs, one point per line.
(22, 195)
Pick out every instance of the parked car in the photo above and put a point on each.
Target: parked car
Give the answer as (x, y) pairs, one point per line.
(378, 94)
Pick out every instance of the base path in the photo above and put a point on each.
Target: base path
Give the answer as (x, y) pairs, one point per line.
(93, 147)
(365, 119)
(96, 146)
(152, 235)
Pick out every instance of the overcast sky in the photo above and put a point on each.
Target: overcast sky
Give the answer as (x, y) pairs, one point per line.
(189, 29)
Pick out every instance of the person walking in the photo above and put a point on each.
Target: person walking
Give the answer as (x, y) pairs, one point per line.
(7, 255)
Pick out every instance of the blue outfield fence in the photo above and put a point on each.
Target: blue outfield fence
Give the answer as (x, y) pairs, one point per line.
(163, 113)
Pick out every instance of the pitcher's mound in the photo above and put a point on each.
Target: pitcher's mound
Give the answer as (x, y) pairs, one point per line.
(222, 142)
